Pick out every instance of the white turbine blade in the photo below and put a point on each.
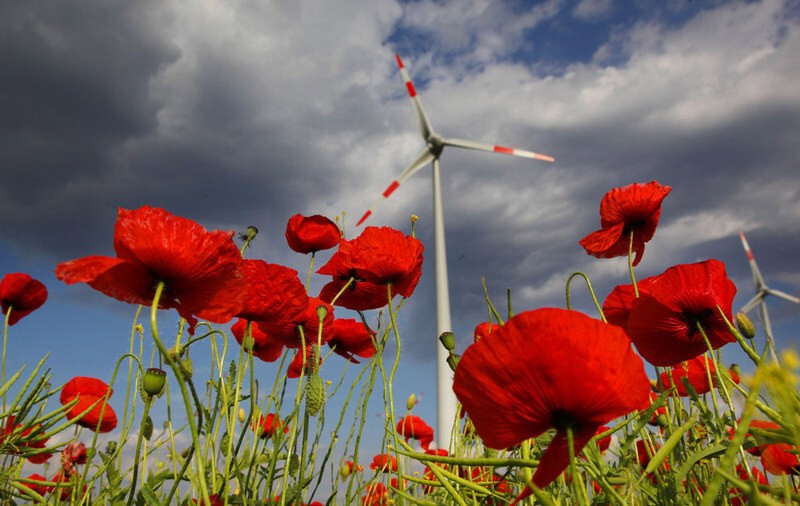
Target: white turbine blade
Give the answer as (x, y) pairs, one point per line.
(424, 123)
(492, 148)
(783, 295)
(757, 279)
(422, 159)
(768, 331)
(752, 302)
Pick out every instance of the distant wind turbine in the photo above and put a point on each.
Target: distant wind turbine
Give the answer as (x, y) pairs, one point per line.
(434, 145)
(762, 290)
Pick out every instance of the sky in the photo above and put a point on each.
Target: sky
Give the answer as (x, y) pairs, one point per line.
(246, 113)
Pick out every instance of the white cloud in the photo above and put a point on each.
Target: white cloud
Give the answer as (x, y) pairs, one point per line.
(589, 10)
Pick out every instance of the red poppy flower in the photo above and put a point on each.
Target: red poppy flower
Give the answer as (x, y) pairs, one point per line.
(27, 439)
(662, 322)
(351, 337)
(264, 348)
(39, 488)
(379, 256)
(66, 484)
(412, 426)
(21, 294)
(274, 292)
(549, 368)
(739, 497)
(286, 330)
(694, 371)
(268, 425)
(779, 458)
(482, 330)
(634, 208)
(73, 454)
(758, 424)
(383, 463)
(215, 500)
(90, 391)
(202, 270)
(303, 360)
(358, 294)
(348, 468)
(376, 495)
(604, 442)
(309, 234)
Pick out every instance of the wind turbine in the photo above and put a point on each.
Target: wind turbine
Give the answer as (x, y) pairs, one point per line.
(434, 145)
(762, 290)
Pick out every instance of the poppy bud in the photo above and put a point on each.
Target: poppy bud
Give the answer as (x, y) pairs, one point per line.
(153, 381)
(294, 464)
(242, 415)
(452, 361)
(187, 366)
(147, 429)
(345, 470)
(411, 402)
(315, 395)
(448, 340)
(175, 352)
(251, 233)
(745, 326)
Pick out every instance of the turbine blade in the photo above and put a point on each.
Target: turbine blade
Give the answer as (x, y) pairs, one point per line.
(768, 331)
(424, 123)
(783, 295)
(480, 146)
(752, 302)
(422, 159)
(757, 279)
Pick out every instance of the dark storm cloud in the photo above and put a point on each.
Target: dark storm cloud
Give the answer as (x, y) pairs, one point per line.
(73, 87)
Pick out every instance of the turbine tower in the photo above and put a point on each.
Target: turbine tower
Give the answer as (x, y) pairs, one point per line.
(762, 290)
(434, 145)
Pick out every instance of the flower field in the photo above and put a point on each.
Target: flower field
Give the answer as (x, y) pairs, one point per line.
(635, 404)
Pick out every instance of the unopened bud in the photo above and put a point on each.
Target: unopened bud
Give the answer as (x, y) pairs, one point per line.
(251, 233)
(745, 326)
(452, 361)
(315, 395)
(242, 415)
(411, 402)
(188, 366)
(448, 340)
(147, 429)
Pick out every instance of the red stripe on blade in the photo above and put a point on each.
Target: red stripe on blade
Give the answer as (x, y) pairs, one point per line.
(399, 61)
(503, 149)
(392, 187)
(411, 90)
(363, 218)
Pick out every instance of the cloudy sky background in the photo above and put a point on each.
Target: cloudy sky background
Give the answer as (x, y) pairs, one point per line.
(245, 113)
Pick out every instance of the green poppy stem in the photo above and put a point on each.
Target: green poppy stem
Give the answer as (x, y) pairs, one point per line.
(176, 368)
(630, 266)
(3, 359)
(591, 292)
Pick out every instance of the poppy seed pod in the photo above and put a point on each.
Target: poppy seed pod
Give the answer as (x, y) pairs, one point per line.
(745, 326)
(448, 340)
(153, 381)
